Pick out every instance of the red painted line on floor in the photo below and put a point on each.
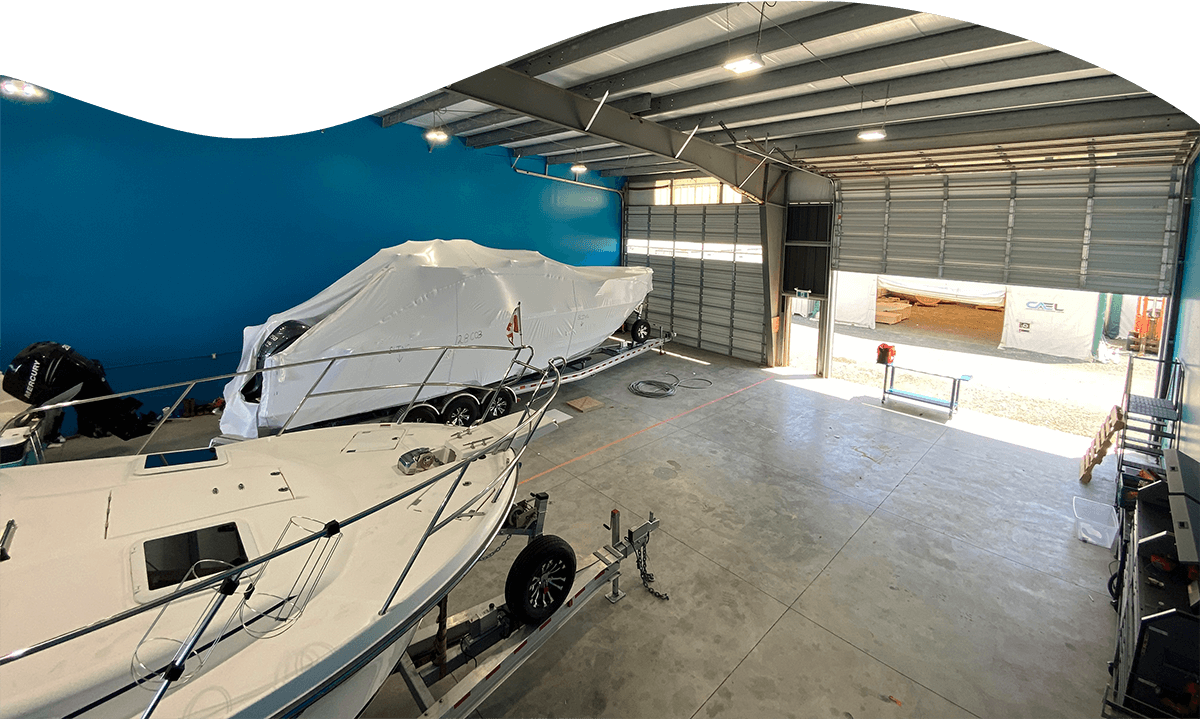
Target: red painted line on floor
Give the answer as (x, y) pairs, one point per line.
(647, 429)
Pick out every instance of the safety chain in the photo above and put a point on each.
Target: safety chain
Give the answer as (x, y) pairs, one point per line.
(493, 553)
(642, 553)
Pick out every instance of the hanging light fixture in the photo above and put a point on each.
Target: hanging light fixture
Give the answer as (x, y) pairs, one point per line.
(754, 60)
(579, 168)
(871, 134)
(436, 135)
(745, 64)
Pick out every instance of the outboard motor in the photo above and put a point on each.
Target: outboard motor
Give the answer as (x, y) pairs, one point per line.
(48, 372)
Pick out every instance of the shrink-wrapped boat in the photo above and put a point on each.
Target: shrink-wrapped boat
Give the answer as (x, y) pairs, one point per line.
(425, 294)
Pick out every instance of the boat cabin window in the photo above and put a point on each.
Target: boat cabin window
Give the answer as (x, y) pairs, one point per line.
(187, 456)
(170, 559)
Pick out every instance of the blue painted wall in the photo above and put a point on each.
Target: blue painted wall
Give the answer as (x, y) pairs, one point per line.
(143, 246)
(1187, 343)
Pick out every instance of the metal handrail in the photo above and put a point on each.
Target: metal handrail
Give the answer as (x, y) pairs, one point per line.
(189, 385)
(530, 420)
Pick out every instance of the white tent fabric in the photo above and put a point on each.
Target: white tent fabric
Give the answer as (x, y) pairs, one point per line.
(1055, 322)
(428, 294)
(1128, 315)
(855, 303)
(970, 293)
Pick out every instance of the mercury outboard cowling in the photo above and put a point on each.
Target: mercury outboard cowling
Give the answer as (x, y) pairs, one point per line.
(46, 371)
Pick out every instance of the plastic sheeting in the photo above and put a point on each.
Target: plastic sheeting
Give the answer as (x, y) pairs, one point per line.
(970, 293)
(855, 304)
(1055, 322)
(429, 294)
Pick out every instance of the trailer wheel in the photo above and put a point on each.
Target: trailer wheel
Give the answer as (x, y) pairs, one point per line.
(640, 331)
(540, 579)
(421, 413)
(462, 410)
(501, 404)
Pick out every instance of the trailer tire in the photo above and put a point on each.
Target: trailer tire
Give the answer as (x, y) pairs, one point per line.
(540, 579)
(420, 413)
(640, 332)
(461, 410)
(501, 404)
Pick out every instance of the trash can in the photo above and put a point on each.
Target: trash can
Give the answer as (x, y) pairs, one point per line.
(886, 354)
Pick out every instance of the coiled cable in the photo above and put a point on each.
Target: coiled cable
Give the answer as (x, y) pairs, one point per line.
(656, 389)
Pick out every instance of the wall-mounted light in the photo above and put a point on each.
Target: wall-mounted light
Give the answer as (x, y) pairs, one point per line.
(875, 133)
(579, 168)
(20, 90)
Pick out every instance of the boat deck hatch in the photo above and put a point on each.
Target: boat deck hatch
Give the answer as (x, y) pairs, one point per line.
(175, 459)
(210, 550)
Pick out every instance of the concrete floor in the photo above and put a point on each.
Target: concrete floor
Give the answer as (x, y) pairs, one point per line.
(825, 557)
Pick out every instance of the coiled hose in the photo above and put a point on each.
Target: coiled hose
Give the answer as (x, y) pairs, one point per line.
(656, 389)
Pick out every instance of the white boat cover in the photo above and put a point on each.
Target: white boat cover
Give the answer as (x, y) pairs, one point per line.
(429, 294)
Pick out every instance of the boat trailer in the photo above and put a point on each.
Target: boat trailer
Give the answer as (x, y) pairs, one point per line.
(490, 628)
(603, 357)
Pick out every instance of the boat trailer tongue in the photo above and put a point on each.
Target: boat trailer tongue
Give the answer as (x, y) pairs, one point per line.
(494, 635)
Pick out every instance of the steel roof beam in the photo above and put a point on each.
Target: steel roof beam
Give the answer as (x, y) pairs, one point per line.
(564, 53)
(1004, 128)
(985, 102)
(1091, 120)
(611, 36)
(1026, 69)
(635, 104)
(831, 22)
(518, 92)
(424, 106)
(952, 42)
(1044, 96)
(1023, 68)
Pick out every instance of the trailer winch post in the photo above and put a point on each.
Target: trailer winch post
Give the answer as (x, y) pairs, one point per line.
(615, 525)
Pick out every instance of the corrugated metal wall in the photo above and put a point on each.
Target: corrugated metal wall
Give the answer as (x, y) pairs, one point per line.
(1105, 229)
(708, 274)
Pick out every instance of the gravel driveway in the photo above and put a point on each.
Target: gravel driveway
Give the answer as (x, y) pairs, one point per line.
(1067, 395)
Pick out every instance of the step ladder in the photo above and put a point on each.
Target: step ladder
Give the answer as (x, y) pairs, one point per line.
(1151, 426)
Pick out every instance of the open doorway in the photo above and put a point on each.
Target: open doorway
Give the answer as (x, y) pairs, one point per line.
(1053, 358)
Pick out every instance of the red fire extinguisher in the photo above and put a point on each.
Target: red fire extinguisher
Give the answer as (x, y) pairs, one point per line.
(886, 355)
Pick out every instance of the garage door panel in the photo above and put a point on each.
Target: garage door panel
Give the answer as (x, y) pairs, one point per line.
(701, 287)
(1107, 229)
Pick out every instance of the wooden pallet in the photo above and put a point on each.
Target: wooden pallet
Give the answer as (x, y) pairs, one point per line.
(1113, 423)
(889, 313)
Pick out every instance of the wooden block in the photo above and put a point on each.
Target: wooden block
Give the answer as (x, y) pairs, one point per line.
(990, 308)
(926, 301)
(888, 318)
(584, 404)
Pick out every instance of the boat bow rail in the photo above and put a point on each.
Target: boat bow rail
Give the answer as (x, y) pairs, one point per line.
(240, 579)
(518, 357)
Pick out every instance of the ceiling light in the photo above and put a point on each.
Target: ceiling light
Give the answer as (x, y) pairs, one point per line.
(579, 168)
(436, 135)
(745, 64)
(29, 90)
(875, 133)
(10, 87)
